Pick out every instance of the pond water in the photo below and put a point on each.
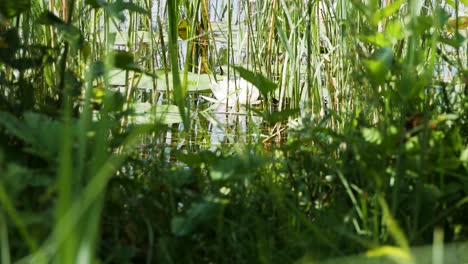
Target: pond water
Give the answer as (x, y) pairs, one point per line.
(212, 124)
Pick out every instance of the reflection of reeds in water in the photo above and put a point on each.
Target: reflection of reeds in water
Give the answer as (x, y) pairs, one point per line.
(232, 125)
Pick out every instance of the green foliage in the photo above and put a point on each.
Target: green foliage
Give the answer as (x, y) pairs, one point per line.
(11, 8)
(69, 33)
(116, 8)
(37, 131)
(263, 84)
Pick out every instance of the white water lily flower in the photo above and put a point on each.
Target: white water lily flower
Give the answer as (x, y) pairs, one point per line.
(234, 91)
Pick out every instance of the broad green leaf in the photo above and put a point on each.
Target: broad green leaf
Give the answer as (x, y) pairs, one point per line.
(284, 39)
(197, 159)
(96, 70)
(95, 3)
(12, 8)
(423, 24)
(124, 60)
(372, 135)
(10, 43)
(440, 17)
(69, 33)
(38, 131)
(364, 8)
(49, 19)
(379, 66)
(200, 214)
(464, 156)
(116, 8)
(378, 39)
(387, 11)
(131, 7)
(396, 30)
(264, 85)
(456, 40)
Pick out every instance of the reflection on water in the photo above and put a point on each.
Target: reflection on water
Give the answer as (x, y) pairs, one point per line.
(214, 126)
(231, 124)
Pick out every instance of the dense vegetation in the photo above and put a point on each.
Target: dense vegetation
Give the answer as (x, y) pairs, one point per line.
(379, 166)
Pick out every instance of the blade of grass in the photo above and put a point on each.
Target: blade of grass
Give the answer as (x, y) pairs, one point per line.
(179, 91)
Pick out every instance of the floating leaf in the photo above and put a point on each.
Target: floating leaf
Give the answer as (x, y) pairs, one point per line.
(195, 82)
(145, 113)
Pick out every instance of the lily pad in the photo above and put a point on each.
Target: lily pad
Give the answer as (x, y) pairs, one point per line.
(121, 37)
(145, 113)
(195, 82)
